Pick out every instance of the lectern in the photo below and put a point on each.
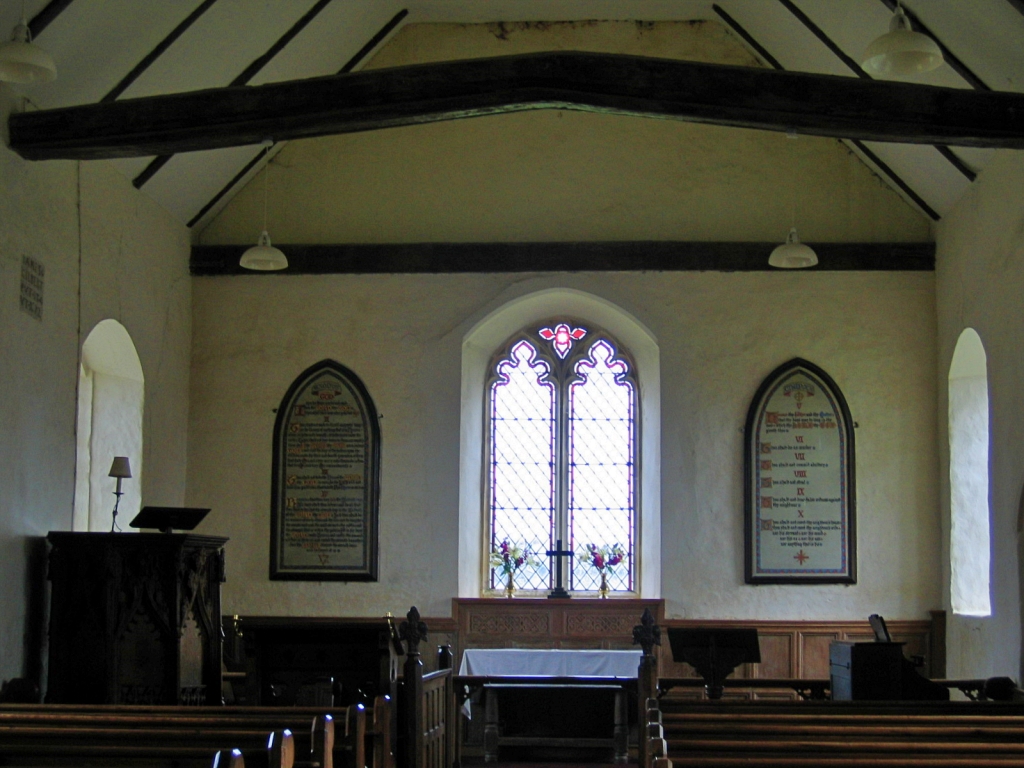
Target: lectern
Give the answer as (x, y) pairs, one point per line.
(714, 653)
(135, 618)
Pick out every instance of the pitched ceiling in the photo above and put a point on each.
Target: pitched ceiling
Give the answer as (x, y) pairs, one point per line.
(121, 49)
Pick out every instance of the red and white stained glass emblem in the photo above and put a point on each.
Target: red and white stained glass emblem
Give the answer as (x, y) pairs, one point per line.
(562, 337)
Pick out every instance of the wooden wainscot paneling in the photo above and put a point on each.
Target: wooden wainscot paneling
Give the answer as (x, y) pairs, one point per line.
(799, 649)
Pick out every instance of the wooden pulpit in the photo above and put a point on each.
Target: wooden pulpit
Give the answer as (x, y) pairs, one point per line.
(135, 618)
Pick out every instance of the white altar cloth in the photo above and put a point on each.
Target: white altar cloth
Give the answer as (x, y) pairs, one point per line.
(542, 662)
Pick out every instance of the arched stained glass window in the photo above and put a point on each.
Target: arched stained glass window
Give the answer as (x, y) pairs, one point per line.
(562, 454)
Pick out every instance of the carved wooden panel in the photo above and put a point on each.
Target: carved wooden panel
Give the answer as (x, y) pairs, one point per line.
(541, 623)
(133, 618)
(814, 653)
(504, 625)
(776, 655)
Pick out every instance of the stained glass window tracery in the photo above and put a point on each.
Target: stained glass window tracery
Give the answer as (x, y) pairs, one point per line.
(562, 453)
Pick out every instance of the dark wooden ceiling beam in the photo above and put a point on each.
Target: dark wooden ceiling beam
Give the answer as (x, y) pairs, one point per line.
(743, 97)
(625, 256)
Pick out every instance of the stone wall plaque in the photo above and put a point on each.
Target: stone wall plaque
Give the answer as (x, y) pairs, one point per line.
(799, 475)
(326, 479)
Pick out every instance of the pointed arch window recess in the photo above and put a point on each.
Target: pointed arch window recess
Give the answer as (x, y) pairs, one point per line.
(562, 403)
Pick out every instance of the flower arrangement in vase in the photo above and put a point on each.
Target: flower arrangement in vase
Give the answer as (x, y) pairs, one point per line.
(603, 559)
(509, 558)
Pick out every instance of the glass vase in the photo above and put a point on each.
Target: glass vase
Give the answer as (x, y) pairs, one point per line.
(602, 591)
(510, 586)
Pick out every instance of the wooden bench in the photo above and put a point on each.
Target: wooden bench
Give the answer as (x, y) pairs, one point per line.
(279, 753)
(322, 739)
(842, 734)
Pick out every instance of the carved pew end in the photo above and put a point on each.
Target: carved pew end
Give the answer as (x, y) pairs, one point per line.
(228, 758)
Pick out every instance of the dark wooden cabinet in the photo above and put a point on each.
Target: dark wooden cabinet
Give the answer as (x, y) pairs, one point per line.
(289, 660)
(135, 618)
(866, 671)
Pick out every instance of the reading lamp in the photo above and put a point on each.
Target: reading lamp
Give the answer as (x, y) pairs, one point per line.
(21, 60)
(119, 469)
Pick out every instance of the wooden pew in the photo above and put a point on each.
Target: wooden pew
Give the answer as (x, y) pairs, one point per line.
(425, 705)
(844, 734)
(228, 758)
(180, 731)
(75, 746)
(280, 753)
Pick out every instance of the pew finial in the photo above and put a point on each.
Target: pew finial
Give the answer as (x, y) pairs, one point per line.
(412, 630)
(647, 633)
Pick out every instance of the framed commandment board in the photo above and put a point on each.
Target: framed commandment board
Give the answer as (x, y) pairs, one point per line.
(326, 479)
(800, 510)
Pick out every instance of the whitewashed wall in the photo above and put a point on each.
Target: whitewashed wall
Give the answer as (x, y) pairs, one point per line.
(107, 252)
(719, 335)
(979, 284)
(565, 176)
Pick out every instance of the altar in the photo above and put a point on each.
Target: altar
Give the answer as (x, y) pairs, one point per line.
(530, 693)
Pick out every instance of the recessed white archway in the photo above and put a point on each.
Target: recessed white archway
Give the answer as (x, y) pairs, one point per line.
(111, 395)
(969, 539)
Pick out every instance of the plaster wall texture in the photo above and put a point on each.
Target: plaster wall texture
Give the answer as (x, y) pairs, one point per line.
(556, 175)
(719, 336)
(107, 252)
(117, 413)
(969, 537)
(979, 282)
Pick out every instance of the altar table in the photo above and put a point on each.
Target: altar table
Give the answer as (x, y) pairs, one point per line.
(597, 670)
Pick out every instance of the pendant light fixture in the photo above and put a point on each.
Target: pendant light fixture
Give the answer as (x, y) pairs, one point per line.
(263, 256)
(901, 51)
(793, 254)
(21, 60)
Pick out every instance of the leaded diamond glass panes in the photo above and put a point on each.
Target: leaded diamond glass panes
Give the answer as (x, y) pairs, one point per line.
(523, 460)
(562, 455)
(600, 488)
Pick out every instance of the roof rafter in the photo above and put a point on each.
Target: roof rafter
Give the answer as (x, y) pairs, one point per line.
(822, 105)
(246, 75)
(883, 167)
(856, 68)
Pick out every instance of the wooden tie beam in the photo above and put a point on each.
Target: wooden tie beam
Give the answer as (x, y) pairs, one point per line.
(742, 97)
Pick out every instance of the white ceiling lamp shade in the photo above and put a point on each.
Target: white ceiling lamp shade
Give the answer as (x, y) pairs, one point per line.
(793, 254)
(22, 61)
(901, 51)
(264, 257)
